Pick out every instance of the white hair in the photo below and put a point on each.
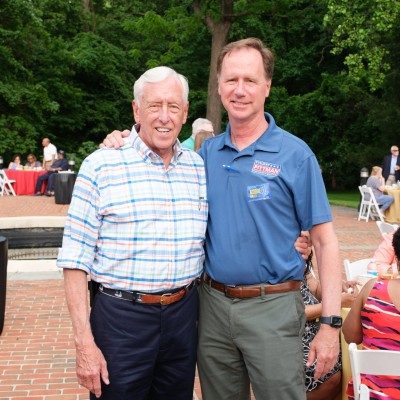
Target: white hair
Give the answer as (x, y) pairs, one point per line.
(199, 125)
(158, 74)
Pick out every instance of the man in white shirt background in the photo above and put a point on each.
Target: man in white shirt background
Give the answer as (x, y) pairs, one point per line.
(49, 153)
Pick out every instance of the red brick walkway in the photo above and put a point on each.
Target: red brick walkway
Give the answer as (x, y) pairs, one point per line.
(36, 347)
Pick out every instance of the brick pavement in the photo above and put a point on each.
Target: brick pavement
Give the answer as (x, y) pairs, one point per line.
(36, 346)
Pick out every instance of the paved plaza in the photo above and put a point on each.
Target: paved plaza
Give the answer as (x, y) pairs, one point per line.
(36, 346)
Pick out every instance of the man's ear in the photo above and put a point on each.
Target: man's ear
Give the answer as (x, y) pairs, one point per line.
(185, 112)
(135, 108)
(268, 88)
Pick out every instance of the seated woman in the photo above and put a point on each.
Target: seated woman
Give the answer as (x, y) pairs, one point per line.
(32, 162)
(384, 256)
(329, 386)
(377, 183)
(16, 162)
(374, 321)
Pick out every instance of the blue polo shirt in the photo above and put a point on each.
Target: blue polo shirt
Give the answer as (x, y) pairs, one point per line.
(260, 199)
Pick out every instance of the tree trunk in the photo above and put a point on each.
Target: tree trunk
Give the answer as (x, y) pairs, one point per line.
(220, 34)
(333, 180)
(86, 5)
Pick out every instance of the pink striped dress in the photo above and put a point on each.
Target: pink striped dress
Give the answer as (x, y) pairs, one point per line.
(381, 330)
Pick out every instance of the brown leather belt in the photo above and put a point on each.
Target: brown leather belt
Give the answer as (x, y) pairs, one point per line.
(249, 291)
(148, 298)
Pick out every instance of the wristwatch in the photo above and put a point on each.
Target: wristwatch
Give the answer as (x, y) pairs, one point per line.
(334, 321)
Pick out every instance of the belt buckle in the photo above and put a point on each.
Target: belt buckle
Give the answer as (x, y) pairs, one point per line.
(166, 295)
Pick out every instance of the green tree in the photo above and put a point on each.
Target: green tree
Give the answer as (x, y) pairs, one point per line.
(24, 100)
(362, 29)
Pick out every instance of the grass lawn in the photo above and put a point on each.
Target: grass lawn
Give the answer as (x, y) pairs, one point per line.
(344, 198)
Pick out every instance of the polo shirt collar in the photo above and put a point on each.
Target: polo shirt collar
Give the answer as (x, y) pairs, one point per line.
(270, 140)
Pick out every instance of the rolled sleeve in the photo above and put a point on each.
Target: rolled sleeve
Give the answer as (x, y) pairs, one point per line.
(83, 223)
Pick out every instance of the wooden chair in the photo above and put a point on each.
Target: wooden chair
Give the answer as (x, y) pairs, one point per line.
(369, 207)
(372, 362)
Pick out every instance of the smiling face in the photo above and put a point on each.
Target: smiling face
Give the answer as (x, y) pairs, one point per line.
(161, 113)
(243, 86)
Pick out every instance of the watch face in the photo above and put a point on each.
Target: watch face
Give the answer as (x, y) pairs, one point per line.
(336, 322)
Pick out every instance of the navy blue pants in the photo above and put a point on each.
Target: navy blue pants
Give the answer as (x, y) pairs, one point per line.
(150, 349)
(42, 178)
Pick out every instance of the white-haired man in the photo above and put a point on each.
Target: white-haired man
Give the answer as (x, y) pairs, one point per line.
(136, 225)
(391, 166)
(200, 124)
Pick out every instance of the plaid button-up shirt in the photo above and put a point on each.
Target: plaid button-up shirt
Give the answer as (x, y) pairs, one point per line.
(134, 225)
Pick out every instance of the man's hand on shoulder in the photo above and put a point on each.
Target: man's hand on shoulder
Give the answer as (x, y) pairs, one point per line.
(303, 245)
(115, 139)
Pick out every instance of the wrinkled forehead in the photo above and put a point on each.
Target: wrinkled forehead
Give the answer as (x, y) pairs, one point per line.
(169, 90)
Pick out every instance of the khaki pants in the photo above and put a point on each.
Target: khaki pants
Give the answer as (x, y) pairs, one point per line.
(257, 341)
(48, 164)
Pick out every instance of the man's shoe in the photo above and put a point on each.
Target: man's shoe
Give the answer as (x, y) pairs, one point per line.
(37, 194)
(48, 194)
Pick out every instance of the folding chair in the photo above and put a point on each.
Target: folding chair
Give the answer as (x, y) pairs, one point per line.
(6, 184)
(385, 227)
(369, 206)
(356, 268)
(372, 362)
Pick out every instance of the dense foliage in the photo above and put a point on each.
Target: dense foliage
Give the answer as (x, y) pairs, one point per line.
(67, 68)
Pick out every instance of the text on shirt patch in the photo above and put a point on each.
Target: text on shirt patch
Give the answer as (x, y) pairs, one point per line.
(258, 192)
(266, 168)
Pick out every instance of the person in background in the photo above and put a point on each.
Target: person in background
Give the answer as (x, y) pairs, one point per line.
(391, 166)
(16, 162)
(384, 256)
(200, 138)
(377, 183)
(61, 164)
(49, 153)
(200, 124)
(32, 162)
(329, 386)
(374, 321)
(264, 186)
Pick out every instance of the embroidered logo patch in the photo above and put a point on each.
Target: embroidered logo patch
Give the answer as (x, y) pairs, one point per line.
(266, 168)
(258, 192)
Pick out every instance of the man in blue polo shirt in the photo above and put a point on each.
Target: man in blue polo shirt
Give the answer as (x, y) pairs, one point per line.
(264, 188)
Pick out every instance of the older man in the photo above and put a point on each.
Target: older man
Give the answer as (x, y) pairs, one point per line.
(136, 225)
(391, 166)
